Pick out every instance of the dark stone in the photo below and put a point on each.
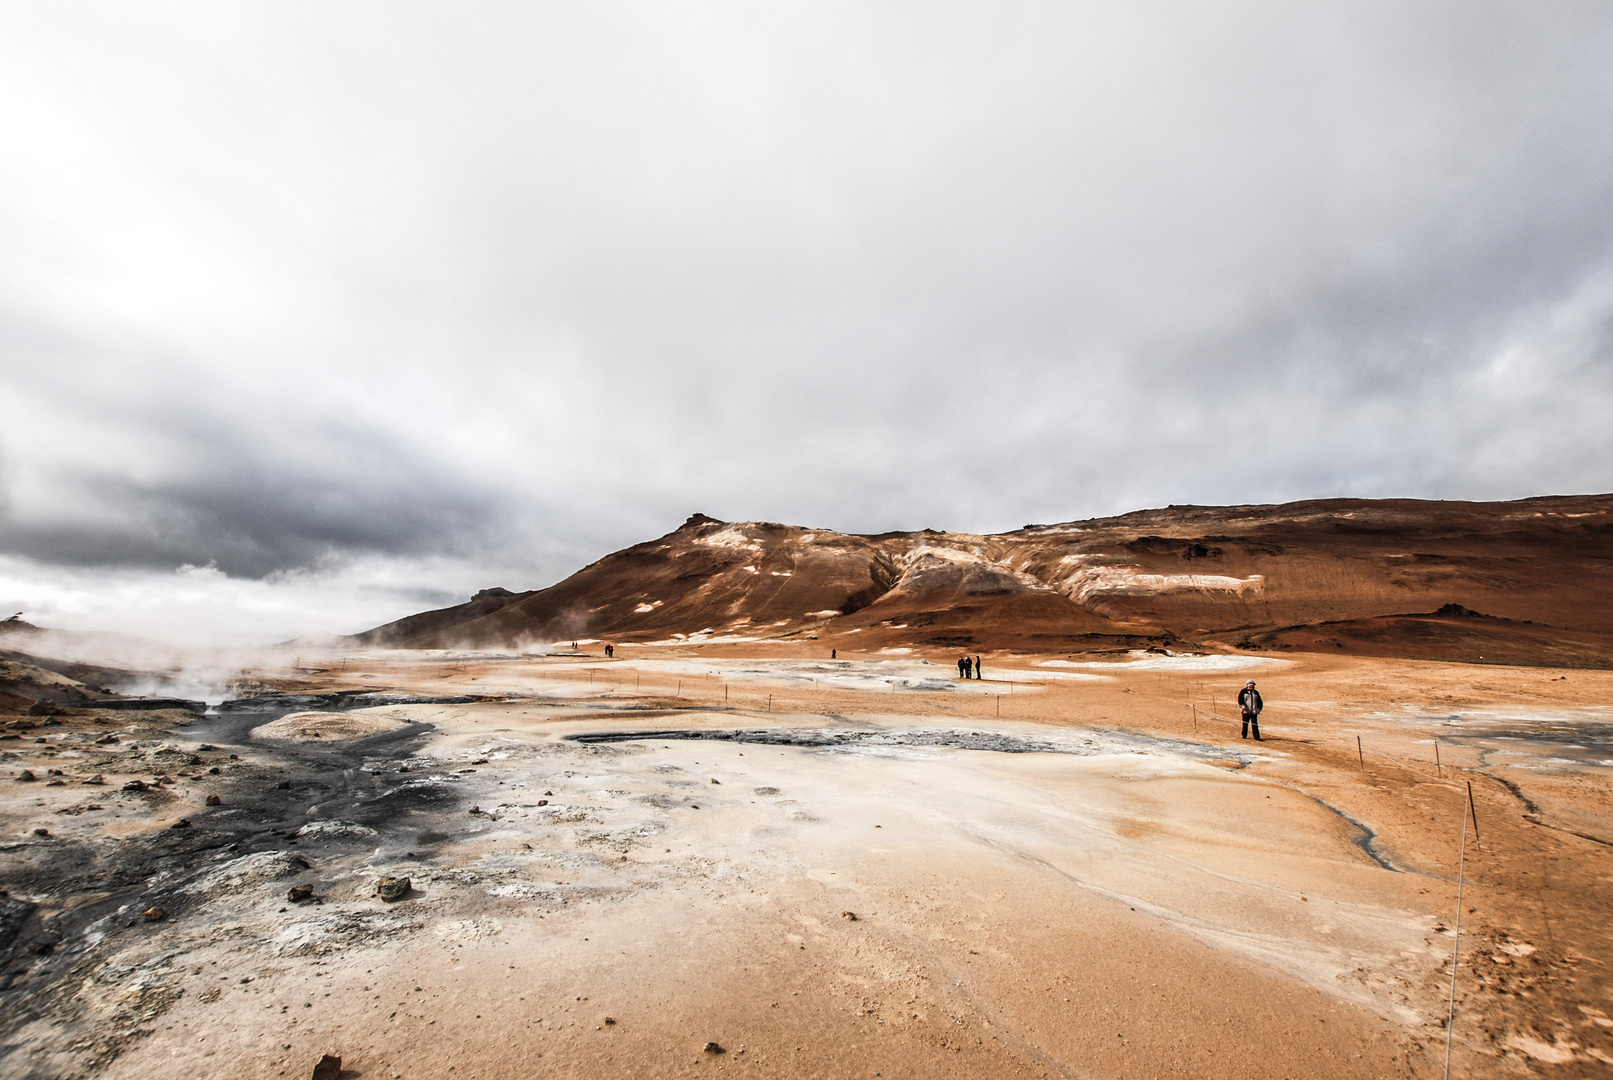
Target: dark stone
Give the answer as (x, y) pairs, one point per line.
(154, 914)
(300, 894)
(329, 1068)
(214, 800)
(392, 889)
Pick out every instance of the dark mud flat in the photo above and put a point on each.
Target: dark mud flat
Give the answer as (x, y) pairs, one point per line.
(1095, 742)
(75, 897)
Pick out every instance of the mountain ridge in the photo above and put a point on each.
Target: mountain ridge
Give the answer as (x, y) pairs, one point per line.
(1238, 576)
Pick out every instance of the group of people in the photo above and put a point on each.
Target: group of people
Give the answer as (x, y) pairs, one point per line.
(966, 666)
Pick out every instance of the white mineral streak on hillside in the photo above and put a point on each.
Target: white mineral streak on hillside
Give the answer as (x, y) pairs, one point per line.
(733, 537)
(1087, 581)
(968, 556)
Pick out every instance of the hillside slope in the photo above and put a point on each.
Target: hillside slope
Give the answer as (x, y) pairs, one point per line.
(1402, 577)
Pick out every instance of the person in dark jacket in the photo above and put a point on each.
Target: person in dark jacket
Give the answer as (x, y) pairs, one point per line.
(977, 667)
(1249, 701)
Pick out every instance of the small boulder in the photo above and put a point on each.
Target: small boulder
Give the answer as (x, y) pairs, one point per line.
(392, 889)
(42, 832)
(300, 894)
(137, 785)
(26, 776)
(329, 1068)
(714, 1048)
(96, 780)
(214, 800)
(849, 916)
(182, 823)
(154, 914)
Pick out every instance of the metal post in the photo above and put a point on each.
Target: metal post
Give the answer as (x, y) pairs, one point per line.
(1456, 933)
(1360, 753)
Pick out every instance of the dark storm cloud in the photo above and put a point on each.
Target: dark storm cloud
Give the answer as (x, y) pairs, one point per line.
(283, 286)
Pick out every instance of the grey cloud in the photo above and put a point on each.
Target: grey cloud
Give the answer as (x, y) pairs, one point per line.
(513, 287)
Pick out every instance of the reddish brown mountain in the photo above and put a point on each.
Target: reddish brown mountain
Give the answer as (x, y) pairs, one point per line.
(1525, 581)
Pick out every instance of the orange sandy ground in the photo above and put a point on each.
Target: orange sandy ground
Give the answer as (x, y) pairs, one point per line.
(1016, 915)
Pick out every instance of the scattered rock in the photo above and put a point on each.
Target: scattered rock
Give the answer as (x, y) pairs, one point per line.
(55, 783)
(96, 780)
(154, 914)
(207, 746)
(26, 776)
(54, 772)
(300, 894)
(849, 916)
(182, 823)
(329, 1068)
(213, 771)
(162, 778)
(104, 739)
(214, 800)
(714, 780)
(543, 802)
(480, 761)
(392, 889)
(284, 785)
(610, 1020)
(137, 785)
(548, 793)
(41, 832)
(714, 1048)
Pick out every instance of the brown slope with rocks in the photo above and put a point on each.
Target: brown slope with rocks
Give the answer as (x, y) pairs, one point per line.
(1375, 577)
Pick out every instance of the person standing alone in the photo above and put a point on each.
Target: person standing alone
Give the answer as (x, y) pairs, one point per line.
(1249, 701)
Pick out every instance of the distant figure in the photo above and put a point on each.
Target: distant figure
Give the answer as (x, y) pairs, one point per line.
(833, 653)
(610, 650)
(977, 667)
(963, 667)
(1249, 701)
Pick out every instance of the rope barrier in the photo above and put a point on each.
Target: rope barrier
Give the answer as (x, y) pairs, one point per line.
(1409, 768)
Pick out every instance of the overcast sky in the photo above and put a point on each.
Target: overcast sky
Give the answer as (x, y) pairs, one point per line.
(312, 315)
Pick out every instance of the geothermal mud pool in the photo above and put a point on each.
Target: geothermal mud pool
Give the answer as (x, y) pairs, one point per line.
(612, 878)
